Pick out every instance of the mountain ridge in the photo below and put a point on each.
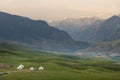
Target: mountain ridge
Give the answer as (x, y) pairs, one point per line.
(37, 33)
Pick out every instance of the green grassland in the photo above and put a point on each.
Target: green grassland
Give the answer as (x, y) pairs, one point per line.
(57, 67)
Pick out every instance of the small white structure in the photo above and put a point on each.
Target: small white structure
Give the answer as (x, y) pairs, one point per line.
(41, 68)
(32, 69)
(20, 67)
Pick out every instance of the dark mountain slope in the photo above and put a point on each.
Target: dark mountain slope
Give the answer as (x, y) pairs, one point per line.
(35, 33)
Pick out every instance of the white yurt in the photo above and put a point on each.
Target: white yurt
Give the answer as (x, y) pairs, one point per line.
(20, 67)
(41, 68)
(32, 69)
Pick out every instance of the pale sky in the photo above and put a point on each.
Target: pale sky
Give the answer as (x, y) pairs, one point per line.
(59, 9)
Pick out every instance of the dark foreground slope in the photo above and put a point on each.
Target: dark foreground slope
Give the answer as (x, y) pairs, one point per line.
(36, 33)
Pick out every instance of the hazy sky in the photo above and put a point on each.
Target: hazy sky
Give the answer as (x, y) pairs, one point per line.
(59, 9)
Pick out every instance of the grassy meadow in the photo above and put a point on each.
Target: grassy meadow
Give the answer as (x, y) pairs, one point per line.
(57, 67)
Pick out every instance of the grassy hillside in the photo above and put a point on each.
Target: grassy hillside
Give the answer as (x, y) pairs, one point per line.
(113, 46)
(57, 67)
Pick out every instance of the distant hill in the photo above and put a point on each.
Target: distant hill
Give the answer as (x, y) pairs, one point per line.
(36, 33)
(107, 28)
(111, 43)
(110, 46)
(115, 36)
(107, 36)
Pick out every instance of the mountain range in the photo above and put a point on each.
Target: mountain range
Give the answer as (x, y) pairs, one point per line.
(80, 29)
(89, 29)
(36, 33)
(104, 33)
